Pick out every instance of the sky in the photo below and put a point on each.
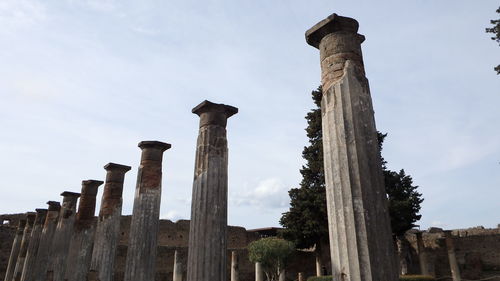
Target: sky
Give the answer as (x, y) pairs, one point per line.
(82, 82)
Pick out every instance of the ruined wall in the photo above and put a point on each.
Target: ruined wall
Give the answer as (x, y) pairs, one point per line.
(477, 251)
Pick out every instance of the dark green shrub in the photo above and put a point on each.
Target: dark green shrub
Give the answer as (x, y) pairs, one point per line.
(416, 278)
(320, 278)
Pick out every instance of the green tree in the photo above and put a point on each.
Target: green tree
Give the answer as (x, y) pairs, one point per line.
(496, 34)
(306, 221)
(272, 253)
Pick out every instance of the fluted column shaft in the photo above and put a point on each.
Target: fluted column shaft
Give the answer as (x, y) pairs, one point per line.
(455, 270)
(23, 250)
(259, 273)
(108, 224)
(207, 254)
(14, 252)
(49, 226)
(141, 253)
(360, 234)
(28, 273)
(62, 237)
(82, 241)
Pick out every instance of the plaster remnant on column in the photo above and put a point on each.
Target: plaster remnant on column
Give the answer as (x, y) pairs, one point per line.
(82, 241)
(235, 266)
(23, 250)
(32, 252)
(108, 224)
(361, 245)
(207, 256)
(177, 272)
(141, 253)
(259, 274)
(14, 252)
(62, 237)
(49, 227)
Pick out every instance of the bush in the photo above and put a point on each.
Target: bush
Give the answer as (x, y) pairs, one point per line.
(416, 278)
(320, 278)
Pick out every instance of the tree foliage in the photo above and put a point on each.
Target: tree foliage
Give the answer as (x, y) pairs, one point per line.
(306, 221)
(273, 255)
(495, 30)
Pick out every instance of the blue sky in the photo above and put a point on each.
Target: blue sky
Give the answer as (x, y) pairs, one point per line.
(82, 82)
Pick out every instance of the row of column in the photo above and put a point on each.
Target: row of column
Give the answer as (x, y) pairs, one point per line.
(63, 244)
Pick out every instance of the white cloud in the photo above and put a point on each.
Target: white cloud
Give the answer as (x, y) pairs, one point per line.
(20, 13)
(269, 193)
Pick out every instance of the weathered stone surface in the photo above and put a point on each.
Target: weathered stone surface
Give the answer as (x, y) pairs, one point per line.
(23, 250)
(141, 254)
(422, 255)
(455, 270)
(32, 252)
(235, 266)
(46, 236)
(207, 255)
(108, 224)
(360, 235)
(62, 237)
(14, 252)
(82, 240)
(177, 272)
(259, 274)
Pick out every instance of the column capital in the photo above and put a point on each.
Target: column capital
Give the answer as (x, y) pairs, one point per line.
(116, 167)
(89, 187)
(214, 113)
(154, 145)
(54, 205)
(41, 211)
(333, 23)
(70, 194)
(30, 217)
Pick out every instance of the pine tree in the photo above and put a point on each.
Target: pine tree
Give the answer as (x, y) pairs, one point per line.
(496, 34)
(306, 224)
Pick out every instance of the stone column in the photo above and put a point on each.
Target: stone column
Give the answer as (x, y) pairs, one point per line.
(259, 274)
(177, 274)
(49, 226)
(82, 241)
(23, 250)
(14, 252)
(422, 255)
(360, 233)
(207, 254)
(319, 264)
(62, 237)
(235, 267)
(282, 276)
(30, 262)
(108, 224)
(141, 253)
(301, 276)
(455, 270)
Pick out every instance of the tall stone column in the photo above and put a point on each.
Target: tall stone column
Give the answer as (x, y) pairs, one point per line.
(141, 253)
(177, 272)
(49, 226)
(422, 255)
(319, 264)
(207, 254)
(360, 234)
(14, 252)
(282, 276)
(82, 241)
(28, 272)
(23, 250)
(455, 270)
(62, 237)
(108, 224)
(259, 274)
(235, 267)
(301, 276)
